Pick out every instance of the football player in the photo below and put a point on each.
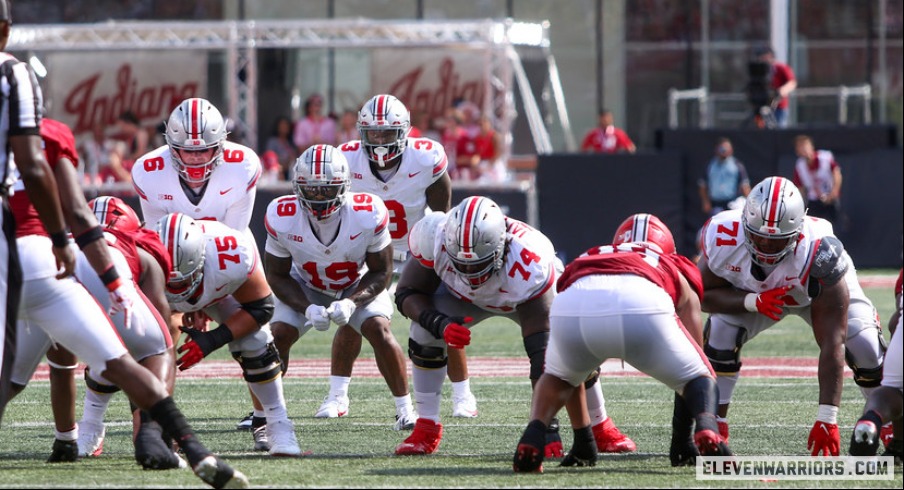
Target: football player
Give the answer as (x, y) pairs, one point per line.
(216, 269)
(329, 260)
(409, 175)
(635, 300)
(89, 332)
(201, 174)
(769, 260)
(886, 402)
(471, 264)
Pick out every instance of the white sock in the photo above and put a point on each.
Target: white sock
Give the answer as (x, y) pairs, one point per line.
(69, 435)
(428, 387)
(721, 419)
(270, 394)
(339, 385)
(96, 406)
(726, 386)
(596, 404)
(403, 404)
(258, 413)
(461, 389)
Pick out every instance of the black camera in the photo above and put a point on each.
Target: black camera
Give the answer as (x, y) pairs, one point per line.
(759, 86)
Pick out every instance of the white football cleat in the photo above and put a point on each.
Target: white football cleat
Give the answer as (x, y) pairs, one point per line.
(281, 434)
(405, 419)
(90, 439)
(218, 474)
(333, 407)
(464, 406)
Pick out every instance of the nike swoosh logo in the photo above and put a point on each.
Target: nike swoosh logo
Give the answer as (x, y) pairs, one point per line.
(412, 175)
(223, 193)
(790, 278)
(355, 235)
(502, 290)
(824, 428)
(221, 287)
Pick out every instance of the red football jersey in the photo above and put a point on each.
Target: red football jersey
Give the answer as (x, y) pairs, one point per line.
(58, 142)
(638, 260)
(129, 242)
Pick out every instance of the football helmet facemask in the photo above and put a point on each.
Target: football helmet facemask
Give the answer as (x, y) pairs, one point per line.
(475, 237)
(384, 124)
(773, 217)
(195, 133)
(321, 180)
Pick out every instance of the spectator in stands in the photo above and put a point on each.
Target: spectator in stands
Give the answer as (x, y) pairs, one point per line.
(606, 138)
(818, 176)
(422, 126)
(488, 149)
(280, 143)
(725, 182)
(782, 81)
(135, 137)
(348, 127)
(452, 135)
(314, 128)
(103, 158)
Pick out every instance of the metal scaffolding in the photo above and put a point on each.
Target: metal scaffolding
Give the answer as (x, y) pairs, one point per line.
(240, 40)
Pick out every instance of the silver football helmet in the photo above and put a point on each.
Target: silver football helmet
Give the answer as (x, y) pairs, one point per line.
(185, 242)
(384, 124)
(773, 217)
(321, 180)
(474, 237)
(195, 133)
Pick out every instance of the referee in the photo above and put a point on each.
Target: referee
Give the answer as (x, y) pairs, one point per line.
(20, 117)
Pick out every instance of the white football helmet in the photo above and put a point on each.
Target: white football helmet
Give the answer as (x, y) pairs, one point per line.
(474, 237)
(321, 180)
(185, 242)
(384, 124)
(195, 133)
(773, 217)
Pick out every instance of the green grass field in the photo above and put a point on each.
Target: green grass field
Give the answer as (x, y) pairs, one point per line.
(770, 416)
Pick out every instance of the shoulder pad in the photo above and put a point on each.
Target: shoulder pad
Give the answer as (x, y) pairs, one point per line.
(829, 262)
(422, 237)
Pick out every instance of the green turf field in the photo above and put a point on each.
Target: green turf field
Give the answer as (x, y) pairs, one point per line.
(769, 416)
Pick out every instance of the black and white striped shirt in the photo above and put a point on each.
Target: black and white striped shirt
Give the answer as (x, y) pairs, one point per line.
(20, 109)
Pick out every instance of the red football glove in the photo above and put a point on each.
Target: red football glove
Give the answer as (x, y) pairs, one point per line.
(456, 335)
(553, 448)
(201, 344)
(824, 439)
(768, 303)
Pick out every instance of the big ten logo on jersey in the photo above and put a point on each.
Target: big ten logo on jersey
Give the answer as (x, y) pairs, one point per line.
(165, 197)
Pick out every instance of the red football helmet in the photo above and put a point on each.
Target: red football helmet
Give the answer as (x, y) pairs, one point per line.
(643, 227)
(113, 212)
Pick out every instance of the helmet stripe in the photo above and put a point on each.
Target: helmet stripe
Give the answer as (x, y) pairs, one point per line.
(640, 227)
(171, 237)
(469, 218)
(317, 169)
(195, 122)
(774, 202)
(380, 113)
(100, 209)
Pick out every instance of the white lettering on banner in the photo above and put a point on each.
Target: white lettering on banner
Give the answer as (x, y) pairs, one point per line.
(426, 82)
(91, 89)
(774, 468)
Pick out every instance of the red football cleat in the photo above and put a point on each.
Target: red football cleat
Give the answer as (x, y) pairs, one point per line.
(610, 440)
(886, 434)
(723, 430)
(424, 439)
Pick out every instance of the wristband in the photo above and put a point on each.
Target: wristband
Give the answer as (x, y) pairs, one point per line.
(750, 302)
(60, 239)
(220, 336)
(827, 414)
(110, 278)
(92, 235)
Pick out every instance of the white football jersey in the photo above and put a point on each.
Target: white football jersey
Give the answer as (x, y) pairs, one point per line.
(424, 161)
(230, 259)
(529, 269)
(335, 267)
(728, 258)
(228, 196)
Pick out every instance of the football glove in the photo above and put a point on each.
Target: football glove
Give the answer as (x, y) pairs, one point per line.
(824, 439)
(553, 448)
(768, 303)
(318, 317)
(201, 344)
(122, 299)
(341, 311)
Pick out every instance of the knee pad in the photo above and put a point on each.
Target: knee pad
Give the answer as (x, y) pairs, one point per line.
(426, 357)
(535, 346)
(267, 365)
(592, 378)
(725, 362)
(97, 387)
(864, 377)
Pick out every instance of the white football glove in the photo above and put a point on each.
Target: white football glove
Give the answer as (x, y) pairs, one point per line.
(318, 317)
(123, 299)
(341, 311)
